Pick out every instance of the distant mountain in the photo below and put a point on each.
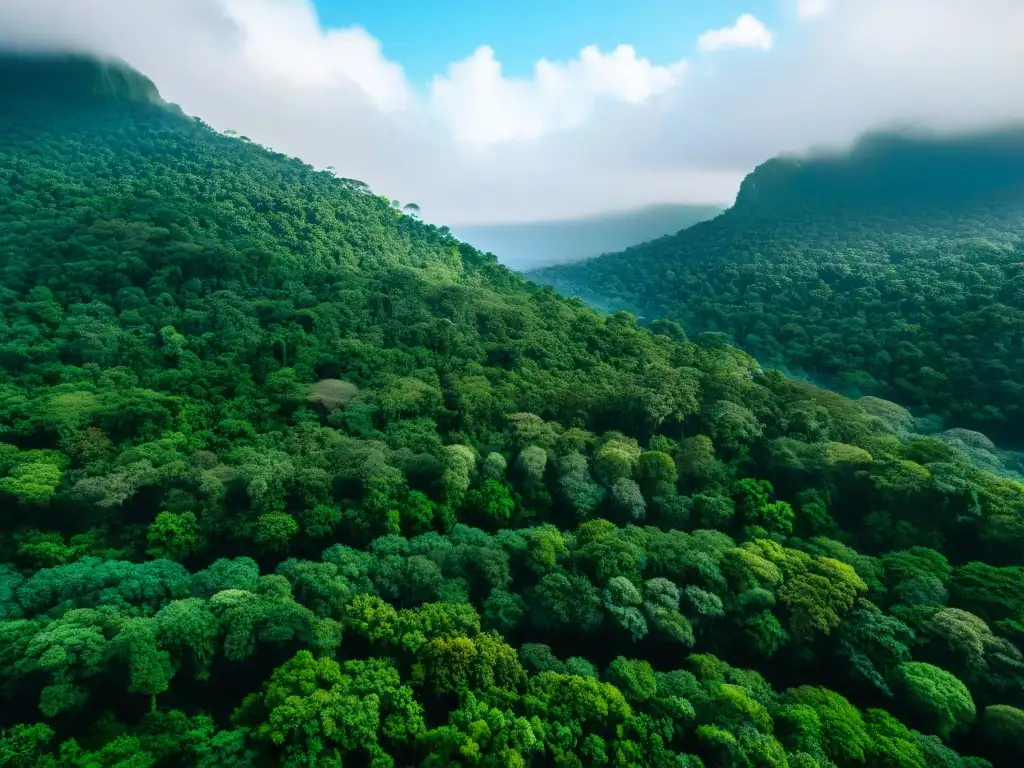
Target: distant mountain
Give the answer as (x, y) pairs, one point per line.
(895, 269)
(536, 244)
(904, 171)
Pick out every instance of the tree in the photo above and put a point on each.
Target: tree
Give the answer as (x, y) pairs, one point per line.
(656, 473)
(937, 699)
(459, 664)
(577, 487)
(818, 599)
(561, 602)
(634, 677)
(764, 633)
(531, 463)
(1003, 727)
(546, 546)
(629, 498)
(138, 641)
(480, 734)
(211, 352)
(616, 460)
(963, 644)
(821, 721)
(492, 503)
(704, 603)
(332, 393)
(23, 744)
(503, 611)
(622, 600)
(872, 644)
(495, 466)
(173, 535)
(319, 521)
(311, 709)
(775, 517)
(418, 513)
(189, 627)
(274, 530)
(713, 510)
(731, 425)
(67, 651)
(32, 476)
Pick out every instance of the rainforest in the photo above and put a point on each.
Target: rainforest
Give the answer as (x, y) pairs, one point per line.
(894, 270)
(289, 477)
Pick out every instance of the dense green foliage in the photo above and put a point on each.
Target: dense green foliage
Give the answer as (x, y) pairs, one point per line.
(897, 271)
(288, 477)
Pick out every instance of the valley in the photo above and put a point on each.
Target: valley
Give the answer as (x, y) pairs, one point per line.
(525, 246)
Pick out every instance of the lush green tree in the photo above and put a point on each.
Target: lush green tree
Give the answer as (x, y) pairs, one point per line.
(312, 709)
(1003, 727)
(561, 602)
(623, 600)
(274, 530)
(492, 503)
(173, 535)
(938, 700)
(873, 644)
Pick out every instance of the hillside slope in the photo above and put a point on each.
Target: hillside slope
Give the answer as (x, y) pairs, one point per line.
(535, 244)
(896, 270)
(288, 478)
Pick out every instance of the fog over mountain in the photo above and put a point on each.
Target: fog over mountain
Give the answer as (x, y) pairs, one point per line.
(536, 244)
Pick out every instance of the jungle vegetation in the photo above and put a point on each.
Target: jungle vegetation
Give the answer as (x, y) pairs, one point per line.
(895, 270)
(291, 478)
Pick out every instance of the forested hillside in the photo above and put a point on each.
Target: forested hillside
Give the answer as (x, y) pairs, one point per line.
(290, 478)
(896, 271)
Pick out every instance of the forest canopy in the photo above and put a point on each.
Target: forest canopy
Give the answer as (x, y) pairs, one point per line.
(896, 271)
(290, 477)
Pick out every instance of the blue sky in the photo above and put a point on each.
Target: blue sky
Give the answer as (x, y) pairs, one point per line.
(426, 36)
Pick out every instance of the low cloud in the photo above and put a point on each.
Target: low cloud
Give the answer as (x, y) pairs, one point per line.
(747, 32)
(605, 130)
(283, 41)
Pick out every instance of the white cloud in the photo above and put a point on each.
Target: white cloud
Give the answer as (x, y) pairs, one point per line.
(283, 39)
(482, 106)
(809, 9)
(600, 132)
(747, 32)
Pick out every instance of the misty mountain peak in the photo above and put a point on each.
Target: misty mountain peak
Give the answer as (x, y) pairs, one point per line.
(68, 79)
(904, 170)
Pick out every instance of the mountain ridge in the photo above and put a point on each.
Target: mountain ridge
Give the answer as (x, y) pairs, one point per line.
(865, 269)
(892, 168)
